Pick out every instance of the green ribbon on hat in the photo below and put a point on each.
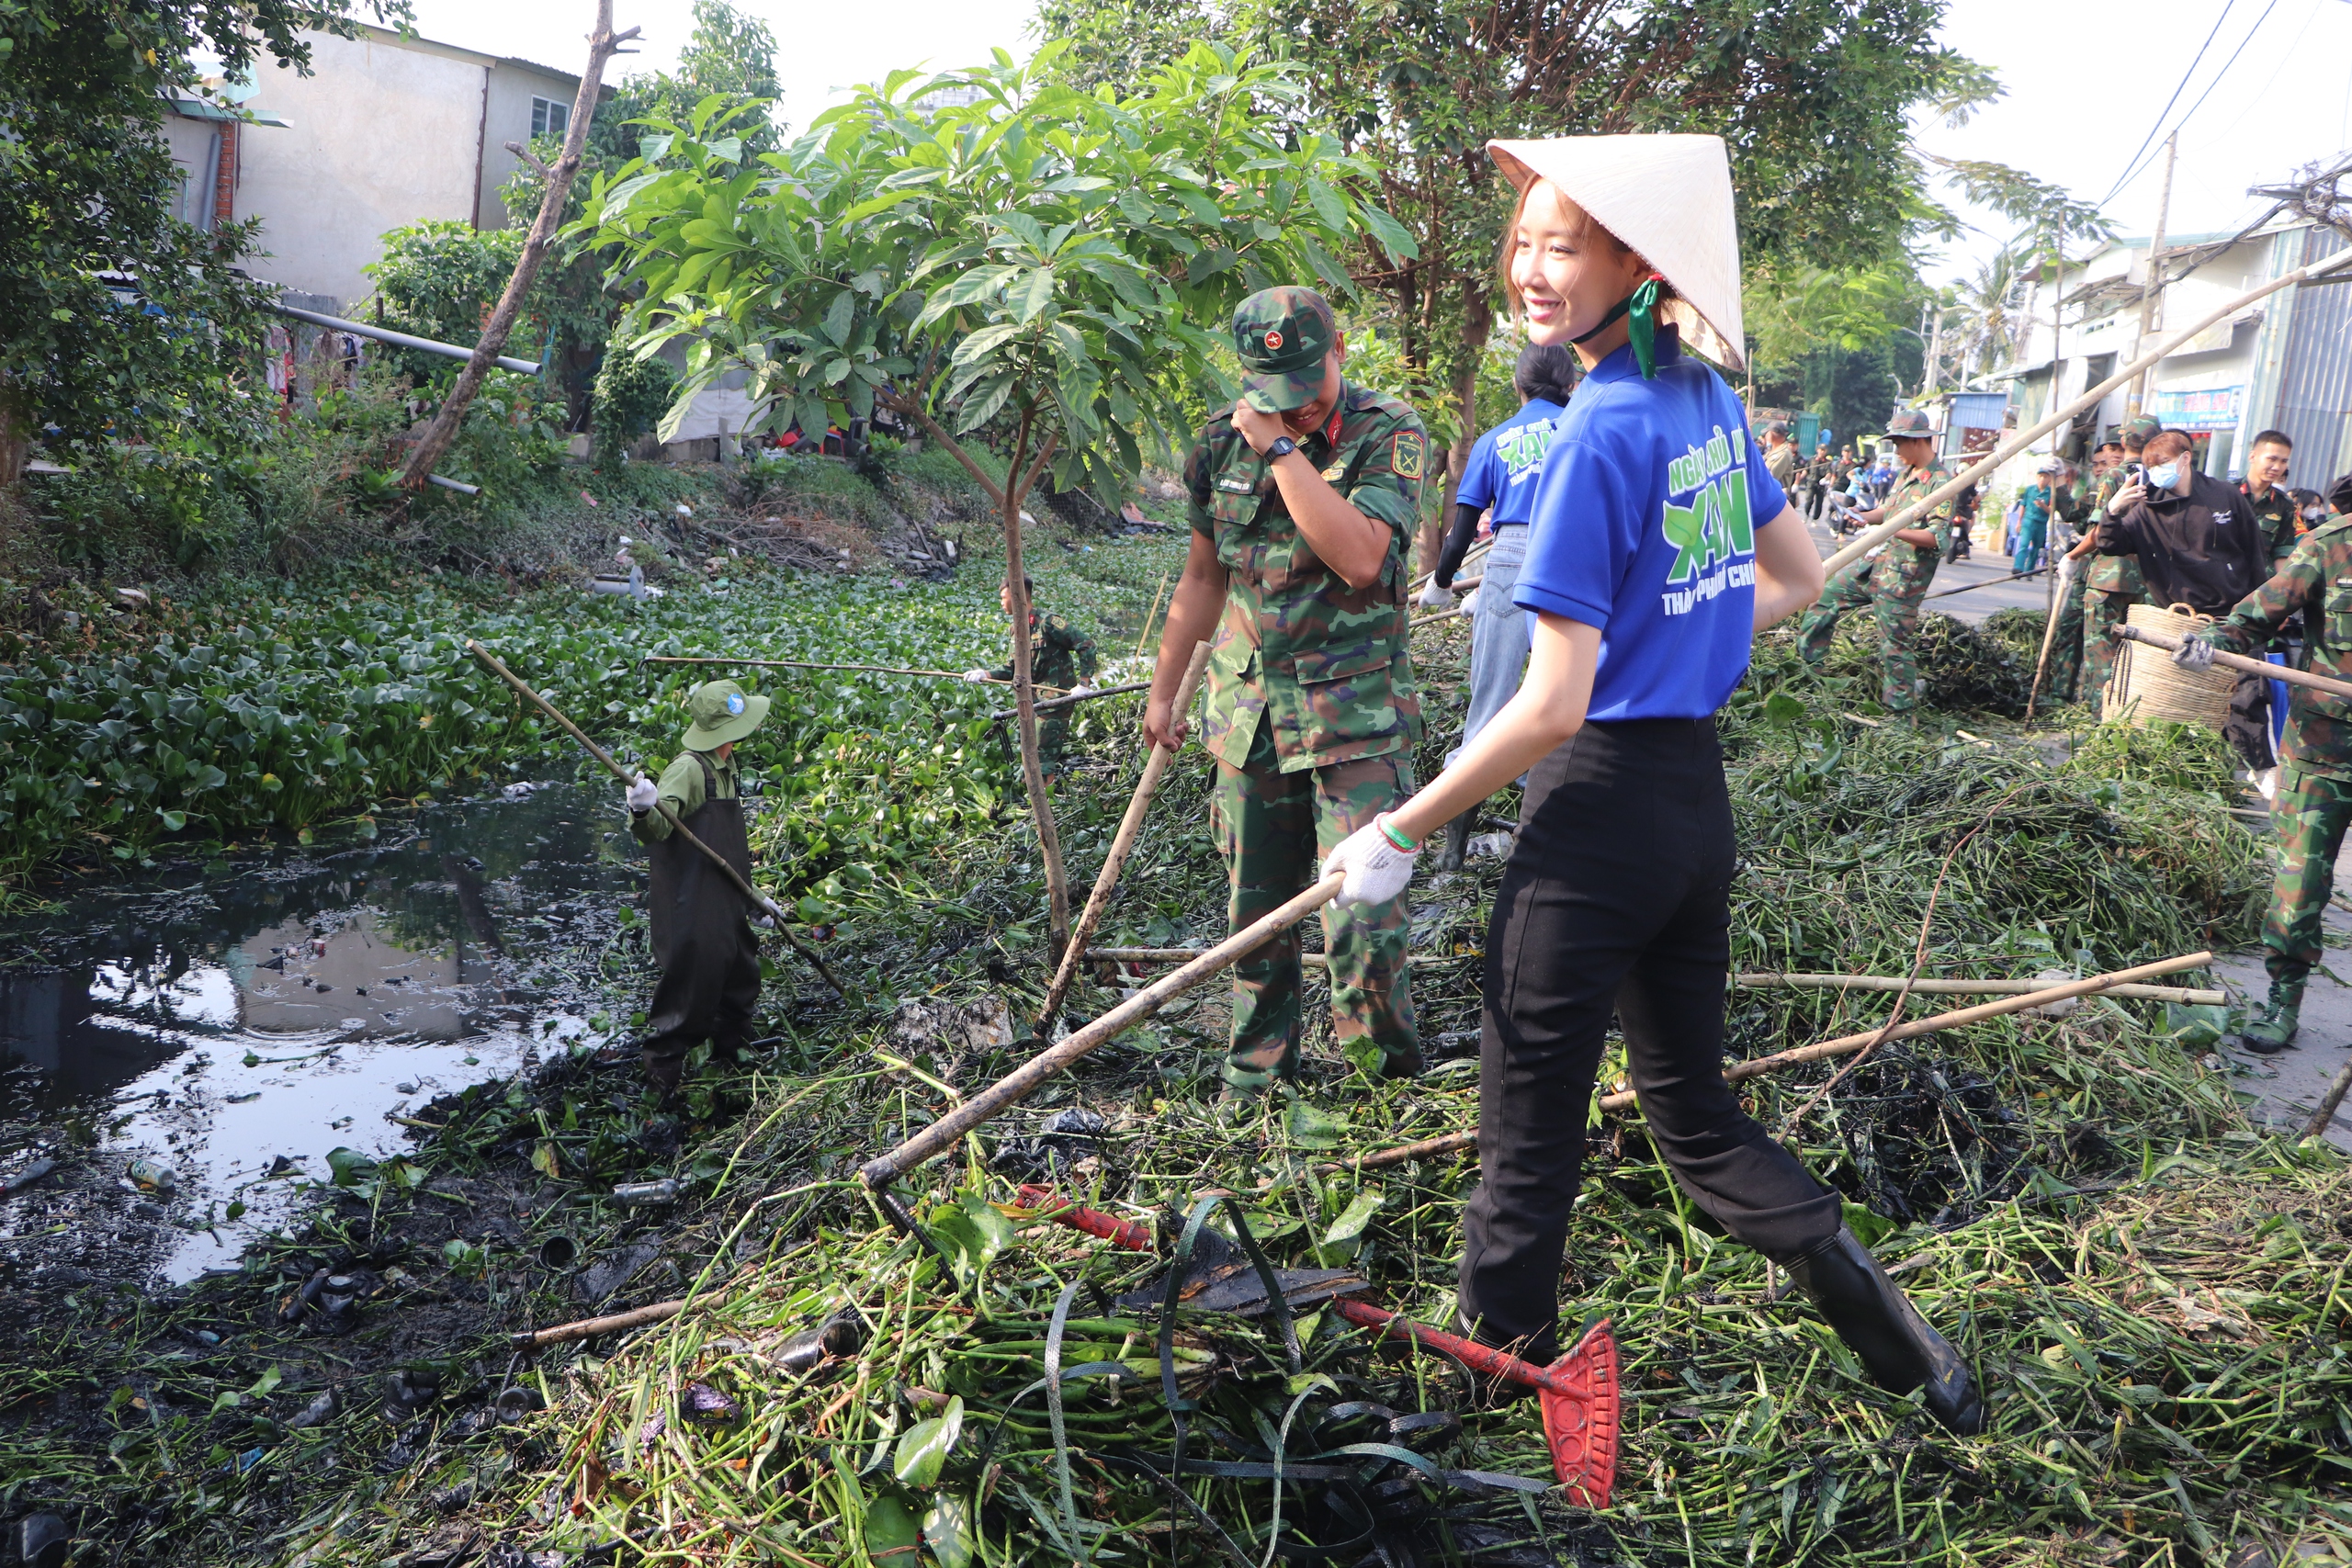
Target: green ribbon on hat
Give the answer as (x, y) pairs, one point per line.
(1640, 307)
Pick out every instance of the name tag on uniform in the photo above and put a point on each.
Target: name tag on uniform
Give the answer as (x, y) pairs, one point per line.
(1239, 486)
(2344, 582)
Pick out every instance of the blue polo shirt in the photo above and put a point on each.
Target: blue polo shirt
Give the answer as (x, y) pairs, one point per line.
(1506, 462)
(1644, 525)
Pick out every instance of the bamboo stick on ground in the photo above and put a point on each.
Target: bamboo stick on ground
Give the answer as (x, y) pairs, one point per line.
(1182, 955)
(1025, 1079)
(798, 664)
(587, 1327)
(1129, 825)
(742, 886)
(1956, 987)
(2317, 1126)
(2239, 661)
(1454, 1143)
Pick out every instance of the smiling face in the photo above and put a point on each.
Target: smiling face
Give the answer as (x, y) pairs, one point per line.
(1566, 272)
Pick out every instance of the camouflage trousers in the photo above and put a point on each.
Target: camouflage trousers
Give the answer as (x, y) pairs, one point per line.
(2310, 813)
(1273, 829)
(2062, 676)
(1898, 623)
(1053, 734)
(2104, 610)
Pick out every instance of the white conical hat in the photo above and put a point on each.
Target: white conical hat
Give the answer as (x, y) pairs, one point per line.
(1667, 198)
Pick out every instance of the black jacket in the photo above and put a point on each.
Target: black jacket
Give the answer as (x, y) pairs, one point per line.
(2205, 549)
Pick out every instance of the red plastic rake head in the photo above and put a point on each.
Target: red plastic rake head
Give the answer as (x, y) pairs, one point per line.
(1578, 1394)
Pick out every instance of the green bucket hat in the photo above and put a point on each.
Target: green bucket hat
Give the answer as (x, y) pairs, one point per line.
(1281, 336)
(721, 712)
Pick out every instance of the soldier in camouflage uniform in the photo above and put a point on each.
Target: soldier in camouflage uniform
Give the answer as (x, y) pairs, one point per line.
(1891, 585)
(2315, 797)
(1060, 656)
(2111, 584)
(1304, 498)
(2064, 671)
(2265, 491)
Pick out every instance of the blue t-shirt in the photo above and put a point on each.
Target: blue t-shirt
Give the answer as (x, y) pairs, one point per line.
(1506, 462)
(1645, 526)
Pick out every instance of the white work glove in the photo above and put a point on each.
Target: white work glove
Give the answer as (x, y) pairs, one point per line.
(2127, 497)
(1378, 870)
(976, 676)
(1470, 603)
(1080, 689)
(642, 794)
(2069, 568)
(1435, 598)
(2194, 653)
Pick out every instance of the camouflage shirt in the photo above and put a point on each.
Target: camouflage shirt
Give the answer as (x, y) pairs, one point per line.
(2316, 578)
(1905, 571)
(2281, 522)
(2111, 574)
(1327, 664)
(1059, 654)
(1780, 462)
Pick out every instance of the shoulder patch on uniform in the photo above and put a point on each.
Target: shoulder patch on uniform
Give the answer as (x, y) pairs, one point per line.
(1406, 459)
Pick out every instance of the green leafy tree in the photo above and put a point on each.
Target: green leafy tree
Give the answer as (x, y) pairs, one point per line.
(1045, 267)
(122, 322)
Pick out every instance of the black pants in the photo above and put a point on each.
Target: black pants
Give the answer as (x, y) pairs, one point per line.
(1616, 900)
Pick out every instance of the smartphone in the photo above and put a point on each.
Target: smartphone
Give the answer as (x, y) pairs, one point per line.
(2136, 474)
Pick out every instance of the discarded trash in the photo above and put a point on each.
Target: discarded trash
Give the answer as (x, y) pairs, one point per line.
(840, 1334)
(558, 1253)
(153, 1175)
(26, 1176)
(521, 1400)
(597, 1283)
(339, 1295)
(635, 1194)
(42, 1540)
(706, 1404)
(316, 1414)
(410, 1390)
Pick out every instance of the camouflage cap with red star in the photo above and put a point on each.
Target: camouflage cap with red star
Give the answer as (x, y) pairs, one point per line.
(1281, 336)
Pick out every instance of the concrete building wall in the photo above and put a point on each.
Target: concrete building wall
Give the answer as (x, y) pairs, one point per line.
(512, 85)
(194, 144)
(382, 134)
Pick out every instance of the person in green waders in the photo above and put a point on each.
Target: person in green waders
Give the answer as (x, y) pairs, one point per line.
(702, 927)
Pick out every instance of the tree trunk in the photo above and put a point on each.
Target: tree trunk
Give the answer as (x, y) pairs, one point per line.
(603, 45)
(15, 433)
(1017, 480)
(1477, 325)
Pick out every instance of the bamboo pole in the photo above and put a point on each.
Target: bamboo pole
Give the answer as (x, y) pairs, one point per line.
(1056, 704)
(1955, 987)
(1151, 615)
(2317, 1126)
(1129, 826)
(800, 664)
(1846, 1046)
(587, 1327)
(2227, 660)
(1183, 954)
(1871, 539)
(1025, 1079)
(742, 885)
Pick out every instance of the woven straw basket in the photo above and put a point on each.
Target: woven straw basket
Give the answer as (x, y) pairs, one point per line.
(2147, 686)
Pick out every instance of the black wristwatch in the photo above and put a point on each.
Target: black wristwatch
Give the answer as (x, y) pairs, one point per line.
(1280, 447)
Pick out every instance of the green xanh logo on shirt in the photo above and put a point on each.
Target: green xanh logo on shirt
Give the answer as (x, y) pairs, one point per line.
(1714, 528)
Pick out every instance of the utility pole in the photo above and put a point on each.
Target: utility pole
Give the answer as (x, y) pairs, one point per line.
(2057, 438)
(1935, 353)
(2152, 288)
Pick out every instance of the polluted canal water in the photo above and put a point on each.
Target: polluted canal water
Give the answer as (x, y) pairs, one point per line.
(190, 1050)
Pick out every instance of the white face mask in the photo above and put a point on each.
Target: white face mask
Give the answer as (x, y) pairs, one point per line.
(2164, 478)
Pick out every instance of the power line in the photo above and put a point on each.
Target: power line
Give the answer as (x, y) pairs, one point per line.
(2131, 167)
(2216, 82)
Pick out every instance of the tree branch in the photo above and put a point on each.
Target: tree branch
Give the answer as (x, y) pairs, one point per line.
(602, 44)
(531, 158)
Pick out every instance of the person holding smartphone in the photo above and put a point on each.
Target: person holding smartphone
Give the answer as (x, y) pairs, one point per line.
(1658, 547)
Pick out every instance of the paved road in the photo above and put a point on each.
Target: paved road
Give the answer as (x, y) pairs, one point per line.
(1981, 567)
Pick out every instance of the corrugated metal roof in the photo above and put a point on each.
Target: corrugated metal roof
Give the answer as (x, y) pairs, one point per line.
(2315, 380)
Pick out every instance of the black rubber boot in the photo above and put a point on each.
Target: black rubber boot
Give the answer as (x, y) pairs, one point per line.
(1870, 1313)
(1457, 842)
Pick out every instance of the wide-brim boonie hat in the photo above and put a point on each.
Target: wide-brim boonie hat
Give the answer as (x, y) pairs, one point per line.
(722, 711)
(1667, 198)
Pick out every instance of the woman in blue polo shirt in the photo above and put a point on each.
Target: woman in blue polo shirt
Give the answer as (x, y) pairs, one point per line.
(1660, 546)
(1504, 465)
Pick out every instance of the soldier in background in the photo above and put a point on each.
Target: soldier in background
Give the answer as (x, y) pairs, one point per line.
(2111, 584)
(1781, 455)
(1890, 582)
(2315, 797)
(2264, 489)
(1060, 657)
(1303, 496)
